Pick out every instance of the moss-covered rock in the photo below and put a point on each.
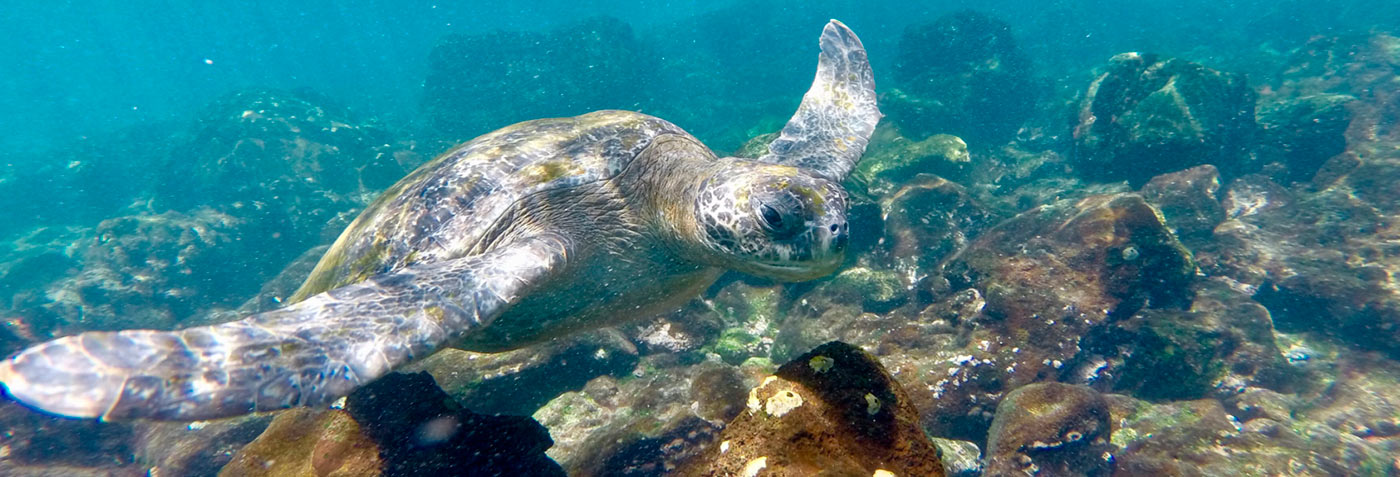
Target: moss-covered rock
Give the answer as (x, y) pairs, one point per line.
(877, 290)
(1147, 115)
(893, 160)
(646, 424)
(1201, 438)
(308, 443)
(750, 315)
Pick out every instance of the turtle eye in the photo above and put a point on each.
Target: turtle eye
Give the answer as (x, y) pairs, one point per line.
(780, 217)
(772, 217)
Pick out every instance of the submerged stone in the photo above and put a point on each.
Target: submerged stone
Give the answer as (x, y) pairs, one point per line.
(1188, 201)
(1019, 301)
(1148, 115)
(1301, 134)
(399, 425)
(848, 418)
(1051, 429)
(893, 160)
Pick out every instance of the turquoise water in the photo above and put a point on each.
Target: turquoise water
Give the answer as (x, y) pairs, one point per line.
(74, 69)
(169, 164)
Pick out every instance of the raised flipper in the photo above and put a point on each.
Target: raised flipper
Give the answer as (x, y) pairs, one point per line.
(307, 354)
(837, 115)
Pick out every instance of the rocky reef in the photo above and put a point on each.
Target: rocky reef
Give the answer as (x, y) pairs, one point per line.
(1148, 115)
(1188, 273)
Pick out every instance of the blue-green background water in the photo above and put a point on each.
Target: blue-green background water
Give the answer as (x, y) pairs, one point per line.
(71, 69)
(140, 185)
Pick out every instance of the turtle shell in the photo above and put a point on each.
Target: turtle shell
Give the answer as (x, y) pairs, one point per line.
(454, 205)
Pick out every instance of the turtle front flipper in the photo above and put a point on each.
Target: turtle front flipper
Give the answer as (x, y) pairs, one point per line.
(837, 115)
(308, 354)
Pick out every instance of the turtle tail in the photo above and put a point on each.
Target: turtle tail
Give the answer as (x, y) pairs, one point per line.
(307, 354)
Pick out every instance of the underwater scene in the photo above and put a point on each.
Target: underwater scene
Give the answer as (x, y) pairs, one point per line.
(748, 238)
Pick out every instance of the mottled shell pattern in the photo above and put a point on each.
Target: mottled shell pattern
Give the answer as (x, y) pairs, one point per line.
(454, 205)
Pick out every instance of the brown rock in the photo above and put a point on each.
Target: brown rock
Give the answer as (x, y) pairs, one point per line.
(929, 218)
(1036, 285)
(1051, 429)
(833, 411)
(1187, 200)
(308, 442)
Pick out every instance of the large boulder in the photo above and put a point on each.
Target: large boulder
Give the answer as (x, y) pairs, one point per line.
(1051, 428)
(1148, 115)
(1320, 261)
(833, 410)
(964, 75)
(1015, 305)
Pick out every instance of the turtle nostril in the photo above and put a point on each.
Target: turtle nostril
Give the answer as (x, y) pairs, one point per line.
(839, 241)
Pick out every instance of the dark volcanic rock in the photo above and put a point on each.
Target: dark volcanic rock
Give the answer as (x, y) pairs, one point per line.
(480, 82)
(399, 425)
(964, 75)
(421, 431)
(1147, 115)
(1051, 429)
(1299, 135)
(834, 410)
(519, 382)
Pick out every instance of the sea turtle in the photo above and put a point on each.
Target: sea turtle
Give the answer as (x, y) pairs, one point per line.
(537, 230)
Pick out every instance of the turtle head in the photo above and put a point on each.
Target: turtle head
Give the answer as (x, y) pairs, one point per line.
(774, 221)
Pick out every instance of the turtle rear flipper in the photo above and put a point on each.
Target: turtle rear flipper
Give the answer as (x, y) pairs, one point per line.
(832, 126)
(309, 353)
